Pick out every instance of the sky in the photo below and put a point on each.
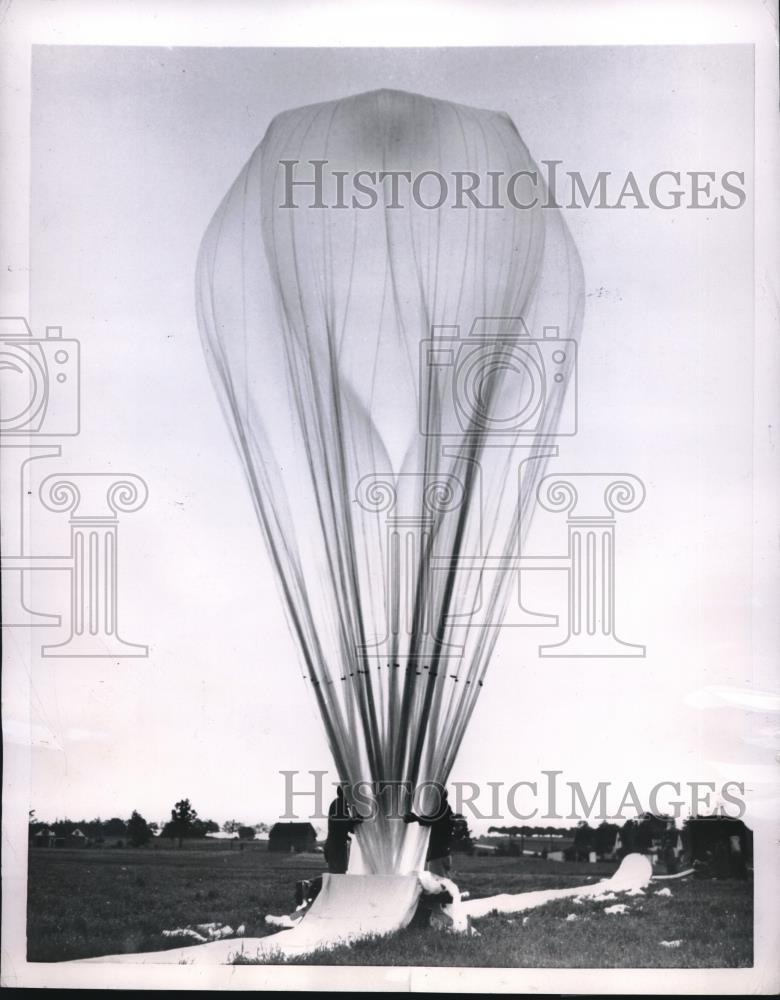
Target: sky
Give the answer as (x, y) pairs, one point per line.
(132, 152)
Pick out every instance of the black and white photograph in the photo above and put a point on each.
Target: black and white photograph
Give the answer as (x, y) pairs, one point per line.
(388, 422)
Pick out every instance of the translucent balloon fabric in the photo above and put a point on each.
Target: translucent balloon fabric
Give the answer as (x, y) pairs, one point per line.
(391, 375)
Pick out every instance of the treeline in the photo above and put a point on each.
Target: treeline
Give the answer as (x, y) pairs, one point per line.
(530, 831)
(137, 831)
(636, 835)
(652, 832)
(715, 839)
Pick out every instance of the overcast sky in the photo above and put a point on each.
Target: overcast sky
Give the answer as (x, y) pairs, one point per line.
(132, 151)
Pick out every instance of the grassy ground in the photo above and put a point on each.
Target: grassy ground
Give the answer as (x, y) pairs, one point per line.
(84, 903)
(710, 920)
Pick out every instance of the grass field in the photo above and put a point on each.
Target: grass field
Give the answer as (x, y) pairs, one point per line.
(84, 903)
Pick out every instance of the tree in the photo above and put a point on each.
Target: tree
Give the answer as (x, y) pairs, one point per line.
(583, 841)
(246, 833)
(95, 830)
(628, 837)
(138, 830)
(461, 835)
(200, 827)
(604, 838)
(649, 831)
(230, 826)
(183, 817)
(114, 827)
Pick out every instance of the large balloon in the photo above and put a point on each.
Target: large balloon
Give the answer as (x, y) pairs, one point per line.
(385, 369)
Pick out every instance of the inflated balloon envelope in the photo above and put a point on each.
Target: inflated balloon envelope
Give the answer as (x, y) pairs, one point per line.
(394, 376)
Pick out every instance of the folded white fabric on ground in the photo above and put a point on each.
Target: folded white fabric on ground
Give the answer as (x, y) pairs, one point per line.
(351, 907)
(635, 872)
(347, 908)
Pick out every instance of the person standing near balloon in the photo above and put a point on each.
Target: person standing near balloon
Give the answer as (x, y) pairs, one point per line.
(442, 827)
(341, 823)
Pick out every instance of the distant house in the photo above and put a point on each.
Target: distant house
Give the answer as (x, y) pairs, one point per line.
(45, 838)
(77, 839)
(292, 837)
